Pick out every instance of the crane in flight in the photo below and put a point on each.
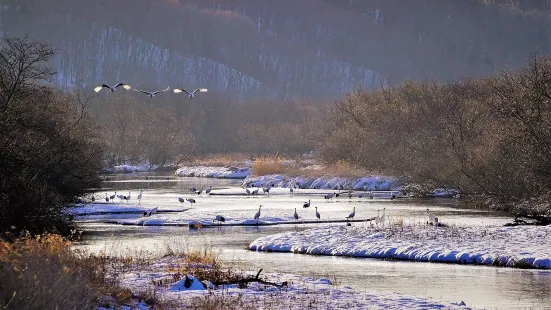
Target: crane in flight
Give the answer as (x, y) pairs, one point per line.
(151, 94)
(190, 94)
(112, 88)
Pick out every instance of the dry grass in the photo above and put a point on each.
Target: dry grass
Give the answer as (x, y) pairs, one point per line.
(43, 273)
(276, 165)
(221, 160)
(46, 273)
(270, 165)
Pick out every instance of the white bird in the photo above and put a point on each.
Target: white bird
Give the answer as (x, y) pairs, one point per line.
(219, 218)
(248, 191)
(383, 217)
(257, 215)
(140, 196)
(306, 204)
(318, 214)
(296, 215)
(378, 218)
(351, 215)
(112, 88)
(151, 94)
(192, 94)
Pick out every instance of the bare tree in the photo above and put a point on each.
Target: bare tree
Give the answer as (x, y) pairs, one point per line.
(23, 68)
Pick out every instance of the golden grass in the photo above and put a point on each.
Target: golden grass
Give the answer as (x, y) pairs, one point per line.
(269, 165)
(276, 165)
(220, 160)
(43, 273)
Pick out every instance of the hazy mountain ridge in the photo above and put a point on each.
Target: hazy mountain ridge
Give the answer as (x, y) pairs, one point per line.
(247, 49)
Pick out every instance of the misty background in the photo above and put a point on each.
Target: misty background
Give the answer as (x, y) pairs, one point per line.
(253, 49)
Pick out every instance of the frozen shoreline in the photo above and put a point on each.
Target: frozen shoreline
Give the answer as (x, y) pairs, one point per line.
(521, 247)
(300, 292)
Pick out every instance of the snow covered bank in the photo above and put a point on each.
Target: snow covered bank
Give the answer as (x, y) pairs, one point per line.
(132, 168)
(300, 293)
(214, 172)
(113, 208)
(370, 183)
(367, 183)
(522, 246)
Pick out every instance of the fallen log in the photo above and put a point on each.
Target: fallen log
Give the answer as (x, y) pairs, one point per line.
(526, 219)
(249, 280)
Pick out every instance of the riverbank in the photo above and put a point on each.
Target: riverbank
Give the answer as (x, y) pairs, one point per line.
(286, 291)
(519, 247)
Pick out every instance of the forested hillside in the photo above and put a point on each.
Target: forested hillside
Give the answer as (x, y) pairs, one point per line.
(279, 49)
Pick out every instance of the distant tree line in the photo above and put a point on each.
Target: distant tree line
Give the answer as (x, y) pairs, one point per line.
(50, 150)
(168, 130)
(487, 136)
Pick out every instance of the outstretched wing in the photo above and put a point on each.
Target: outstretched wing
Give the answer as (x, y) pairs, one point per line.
(202, 90)
(179, 90)
(124, 85)
(143, 91)
(97, 89)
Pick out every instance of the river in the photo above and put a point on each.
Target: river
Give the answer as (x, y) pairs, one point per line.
(478, 286)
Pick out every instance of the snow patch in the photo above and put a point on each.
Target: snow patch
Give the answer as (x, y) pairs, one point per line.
(214, 172)
(522, 246)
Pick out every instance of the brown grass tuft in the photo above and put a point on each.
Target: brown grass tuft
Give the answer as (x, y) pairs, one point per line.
(220, 160)
(268, 165)
(43, 273)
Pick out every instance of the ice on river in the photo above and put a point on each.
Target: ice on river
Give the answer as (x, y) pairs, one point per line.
(521, 246)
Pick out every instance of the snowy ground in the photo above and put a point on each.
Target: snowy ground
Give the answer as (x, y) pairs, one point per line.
(366, 183)
(522, 246)
(144, 167)
(300, 293)
(214, 172)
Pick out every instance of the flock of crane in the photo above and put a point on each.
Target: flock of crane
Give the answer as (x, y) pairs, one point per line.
(151, 94)
(379, 219)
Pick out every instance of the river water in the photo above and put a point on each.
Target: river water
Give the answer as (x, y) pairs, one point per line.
(478, 286)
